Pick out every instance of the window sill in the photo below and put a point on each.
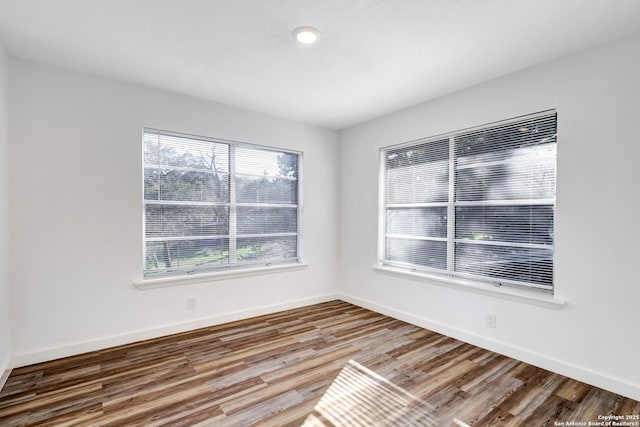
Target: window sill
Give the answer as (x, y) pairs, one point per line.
(513, 294)
(162, 282)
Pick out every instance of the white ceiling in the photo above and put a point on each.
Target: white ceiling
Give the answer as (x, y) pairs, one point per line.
(374, 56)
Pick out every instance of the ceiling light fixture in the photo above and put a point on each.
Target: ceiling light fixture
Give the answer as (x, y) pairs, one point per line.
(306, 35)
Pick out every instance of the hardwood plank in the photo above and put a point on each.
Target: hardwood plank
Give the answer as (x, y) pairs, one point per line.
(553, 408)
(327, 364)
(572, 390)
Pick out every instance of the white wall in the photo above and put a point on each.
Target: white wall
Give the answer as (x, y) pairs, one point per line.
(5, 305)
(76, 210)
(594, 337)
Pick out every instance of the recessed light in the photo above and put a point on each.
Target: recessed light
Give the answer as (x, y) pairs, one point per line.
(306, 35)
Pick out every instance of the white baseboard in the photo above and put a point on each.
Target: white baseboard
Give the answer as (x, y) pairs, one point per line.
(53, 353)
(5, 370)
(585, 375)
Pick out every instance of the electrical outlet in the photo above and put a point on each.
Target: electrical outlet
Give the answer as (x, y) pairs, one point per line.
(490, 320)
(191, 303)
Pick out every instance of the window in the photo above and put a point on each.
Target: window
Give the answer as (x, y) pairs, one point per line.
(477, 203)
(211, 204)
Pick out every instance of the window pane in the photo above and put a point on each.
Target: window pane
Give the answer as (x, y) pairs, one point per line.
(174, 221)
(251, 189)
(266, 163)
(190, 186)
(151, 148)
(185, 152)
(185, 255)
(425, 222)
(151, 184)
(504, 138)
(517, 264)
(418, 174)
(259, 220)
(518, 224)
(421, 153)
(425, 253)
(523, 173)
(255, 249)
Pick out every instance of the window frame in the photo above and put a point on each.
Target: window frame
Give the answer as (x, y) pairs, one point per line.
(450, 274)
(230, 269)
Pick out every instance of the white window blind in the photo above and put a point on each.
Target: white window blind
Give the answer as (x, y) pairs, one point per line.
(212, 204)
(477, 203)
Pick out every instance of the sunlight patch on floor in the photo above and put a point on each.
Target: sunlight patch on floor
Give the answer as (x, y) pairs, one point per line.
(360, 397)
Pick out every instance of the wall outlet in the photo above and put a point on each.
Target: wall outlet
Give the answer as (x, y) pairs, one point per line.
(490, 320)
(191, 303)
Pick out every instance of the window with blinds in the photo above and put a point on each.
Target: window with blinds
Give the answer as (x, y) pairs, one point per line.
(211, 204)
(477, 203)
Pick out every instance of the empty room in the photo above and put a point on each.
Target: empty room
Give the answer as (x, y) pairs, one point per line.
(319, 213)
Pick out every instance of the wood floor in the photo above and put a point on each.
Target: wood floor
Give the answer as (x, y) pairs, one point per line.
(323, 365)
